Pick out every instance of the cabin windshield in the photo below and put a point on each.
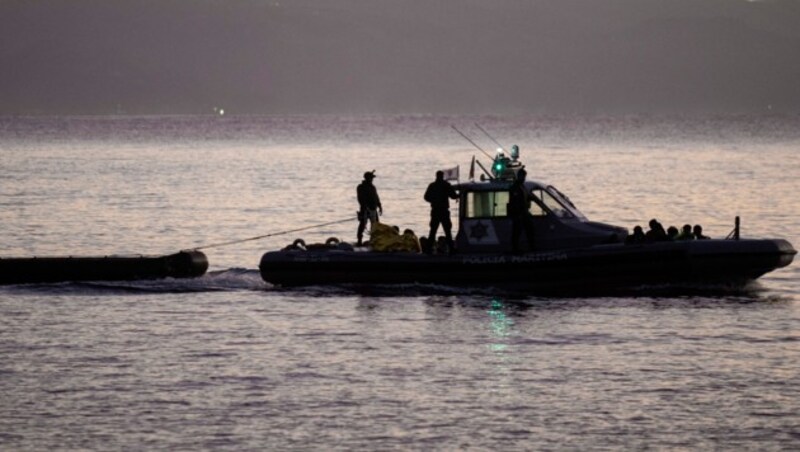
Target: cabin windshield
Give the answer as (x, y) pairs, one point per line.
(548, 201)
(492, 204)
(487, 204)
(565, 202)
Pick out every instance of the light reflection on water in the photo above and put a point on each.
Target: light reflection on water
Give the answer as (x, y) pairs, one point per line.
(501, 325)
(228, 361)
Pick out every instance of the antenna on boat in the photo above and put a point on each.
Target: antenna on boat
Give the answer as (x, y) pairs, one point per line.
(484, 169)
(500, 146)
(472, 142)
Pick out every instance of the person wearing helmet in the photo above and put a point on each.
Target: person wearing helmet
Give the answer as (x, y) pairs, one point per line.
(369, 204)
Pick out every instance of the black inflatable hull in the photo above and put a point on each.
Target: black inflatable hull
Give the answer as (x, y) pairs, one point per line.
(186, 264)
(593, 268)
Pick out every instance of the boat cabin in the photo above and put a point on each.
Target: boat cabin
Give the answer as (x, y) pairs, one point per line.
(485, 225)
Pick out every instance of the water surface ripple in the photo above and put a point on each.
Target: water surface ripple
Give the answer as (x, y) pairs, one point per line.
(229, 362)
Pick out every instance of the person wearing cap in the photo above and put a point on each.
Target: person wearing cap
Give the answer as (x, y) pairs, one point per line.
(369, 204)
(438, 194)
(519, 204)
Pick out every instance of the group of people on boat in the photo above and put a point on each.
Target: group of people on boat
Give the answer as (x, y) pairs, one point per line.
(440, 192)
(438, 195)
(657, 233)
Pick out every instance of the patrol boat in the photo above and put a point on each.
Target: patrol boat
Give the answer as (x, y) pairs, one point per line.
(571, 253)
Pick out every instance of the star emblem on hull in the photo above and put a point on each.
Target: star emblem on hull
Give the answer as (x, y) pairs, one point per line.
(478, 231)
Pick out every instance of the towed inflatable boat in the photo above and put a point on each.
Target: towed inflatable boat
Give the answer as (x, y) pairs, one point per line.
(18, 270)
(571, 253)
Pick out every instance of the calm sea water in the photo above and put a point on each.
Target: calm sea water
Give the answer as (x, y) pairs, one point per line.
(227, 361)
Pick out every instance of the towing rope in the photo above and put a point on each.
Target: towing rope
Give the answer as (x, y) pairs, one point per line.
(232, 242)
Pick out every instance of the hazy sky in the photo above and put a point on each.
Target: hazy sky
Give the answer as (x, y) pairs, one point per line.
(399, 56)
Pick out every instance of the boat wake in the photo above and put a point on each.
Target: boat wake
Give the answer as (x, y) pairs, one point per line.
(229, 280)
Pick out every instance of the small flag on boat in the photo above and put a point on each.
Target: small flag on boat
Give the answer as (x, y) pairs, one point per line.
(472, 169)
(451, 173)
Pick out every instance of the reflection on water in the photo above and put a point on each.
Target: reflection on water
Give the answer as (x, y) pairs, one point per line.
(501, 326)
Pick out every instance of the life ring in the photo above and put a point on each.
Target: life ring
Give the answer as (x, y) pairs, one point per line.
(299, 244)
(332, 241)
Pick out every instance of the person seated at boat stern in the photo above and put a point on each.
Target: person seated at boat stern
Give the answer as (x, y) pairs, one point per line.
(439, 194)
(656, 233)
(686, 233)
(697, 231)
(369, 204)
(637, 236)
(519, 205)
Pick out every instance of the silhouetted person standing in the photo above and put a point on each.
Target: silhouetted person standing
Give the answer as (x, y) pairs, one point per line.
(519, 205)
(369, 204)
(438, 194)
